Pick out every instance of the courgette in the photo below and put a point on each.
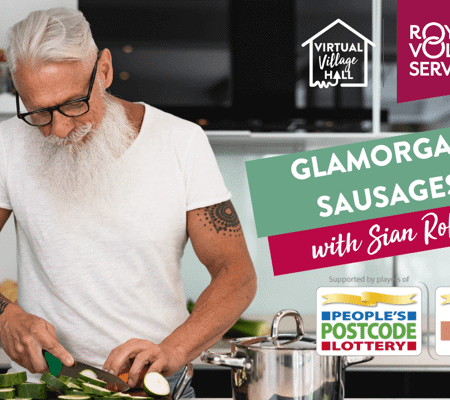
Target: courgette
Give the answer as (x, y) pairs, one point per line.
(74, 393)
(7, 393)
(89, 373)
(156, 385)
(32, 391)
(95, 390)
(12, 379)
(53, 383)
(88, 378)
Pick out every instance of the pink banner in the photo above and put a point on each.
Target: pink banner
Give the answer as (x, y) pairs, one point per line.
(360, 241)
(423, 49)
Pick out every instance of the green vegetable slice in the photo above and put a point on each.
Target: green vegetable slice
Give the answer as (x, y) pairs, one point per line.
(53, 382)
(7, 393)
(32, 391)
(74, 393)
(83, 378)
(12, 379)
(95, 390)
(65, 378)
(89, 373)
(74, 397)
(107, 398)
(156, 385)
(73, 386)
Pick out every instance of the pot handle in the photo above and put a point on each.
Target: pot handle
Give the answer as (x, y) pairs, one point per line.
(226, 360)
(284, 313)
(349, 361)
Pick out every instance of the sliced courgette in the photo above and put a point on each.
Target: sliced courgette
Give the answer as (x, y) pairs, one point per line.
(12, 379)
(74, 393)
(107, 398)
(156, 385)
(95, 390)
(32, 391)
(83, 378)
(65, 378)
(72, 385)
(69, 381)
(53, 382)
(7, 393)
(89, 373)
(74, 397)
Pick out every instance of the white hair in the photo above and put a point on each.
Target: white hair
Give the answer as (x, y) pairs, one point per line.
(54, 35)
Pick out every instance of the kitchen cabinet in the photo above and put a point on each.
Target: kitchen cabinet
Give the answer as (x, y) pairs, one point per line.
(359, 383)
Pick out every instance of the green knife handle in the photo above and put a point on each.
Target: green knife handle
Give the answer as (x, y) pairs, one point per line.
(54, 364)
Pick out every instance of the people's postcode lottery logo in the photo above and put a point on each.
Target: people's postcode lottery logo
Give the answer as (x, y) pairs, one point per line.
(369, 321)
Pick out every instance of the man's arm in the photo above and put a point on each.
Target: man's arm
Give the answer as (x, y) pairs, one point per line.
(23, 335)
(4, 215)
(218, 242)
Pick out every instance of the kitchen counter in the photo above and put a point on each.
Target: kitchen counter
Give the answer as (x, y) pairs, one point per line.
(427, 361)
(424, 362)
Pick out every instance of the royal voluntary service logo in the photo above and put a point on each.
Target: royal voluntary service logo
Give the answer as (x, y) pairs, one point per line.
(338, 62)
(423, 49)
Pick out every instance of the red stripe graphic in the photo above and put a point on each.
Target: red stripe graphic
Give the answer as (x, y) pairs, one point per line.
(360, 241)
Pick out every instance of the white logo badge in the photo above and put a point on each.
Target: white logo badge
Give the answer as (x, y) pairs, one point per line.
(337, 61)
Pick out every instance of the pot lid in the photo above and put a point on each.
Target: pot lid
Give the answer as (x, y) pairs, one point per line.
(299, 341)
(284, 342)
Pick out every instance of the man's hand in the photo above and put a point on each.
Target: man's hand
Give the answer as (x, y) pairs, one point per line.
(24, 336)
(136, 355)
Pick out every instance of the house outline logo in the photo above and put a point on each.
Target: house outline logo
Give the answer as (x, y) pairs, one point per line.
(336, 79)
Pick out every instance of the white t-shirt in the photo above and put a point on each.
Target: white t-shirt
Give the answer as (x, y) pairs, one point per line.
(111, 279)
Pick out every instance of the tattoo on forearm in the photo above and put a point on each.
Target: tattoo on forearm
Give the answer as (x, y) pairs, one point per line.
(3, 303)
(223, 218)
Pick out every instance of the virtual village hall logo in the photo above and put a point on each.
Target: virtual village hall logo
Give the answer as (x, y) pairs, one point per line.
(338, 61)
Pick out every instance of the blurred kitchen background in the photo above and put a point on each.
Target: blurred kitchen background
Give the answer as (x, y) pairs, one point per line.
(237, 68)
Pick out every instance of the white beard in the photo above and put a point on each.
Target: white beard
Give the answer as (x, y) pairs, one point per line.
(82, 177)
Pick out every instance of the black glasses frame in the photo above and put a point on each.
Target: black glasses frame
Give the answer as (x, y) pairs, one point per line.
(84, 99)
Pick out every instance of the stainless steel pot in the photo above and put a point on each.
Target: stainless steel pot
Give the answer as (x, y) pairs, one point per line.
(283, 366)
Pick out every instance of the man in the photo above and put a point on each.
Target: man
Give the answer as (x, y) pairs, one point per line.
(105, 194)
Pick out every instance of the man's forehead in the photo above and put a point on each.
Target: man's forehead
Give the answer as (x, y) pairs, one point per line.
(42, 69)
(35, 82)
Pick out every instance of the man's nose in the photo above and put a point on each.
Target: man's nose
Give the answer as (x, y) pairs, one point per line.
(61, 125)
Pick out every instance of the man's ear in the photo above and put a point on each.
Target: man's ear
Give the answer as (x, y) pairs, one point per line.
(105, 68)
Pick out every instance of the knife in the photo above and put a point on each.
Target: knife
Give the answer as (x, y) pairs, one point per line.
(57, 368)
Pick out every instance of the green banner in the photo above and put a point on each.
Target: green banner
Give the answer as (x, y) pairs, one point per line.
(355, 182)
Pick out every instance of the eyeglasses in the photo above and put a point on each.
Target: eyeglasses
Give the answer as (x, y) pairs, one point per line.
(73, 108)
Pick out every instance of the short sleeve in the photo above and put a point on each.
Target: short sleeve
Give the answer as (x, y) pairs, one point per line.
(4, 198)
(204, 182)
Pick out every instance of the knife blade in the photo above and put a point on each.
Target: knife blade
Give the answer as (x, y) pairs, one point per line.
(57, 368)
